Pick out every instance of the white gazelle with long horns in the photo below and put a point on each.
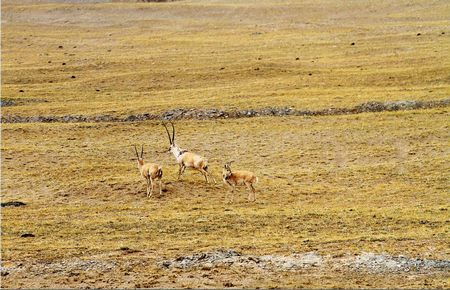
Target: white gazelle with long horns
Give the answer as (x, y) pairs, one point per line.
(186, 159)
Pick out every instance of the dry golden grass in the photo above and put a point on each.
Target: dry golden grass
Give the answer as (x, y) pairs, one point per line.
(335, 185)
(151, 57)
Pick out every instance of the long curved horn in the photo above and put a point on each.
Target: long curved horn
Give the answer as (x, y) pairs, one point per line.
(168, 134)
(142, 151)
(173, 132)
(135, 149)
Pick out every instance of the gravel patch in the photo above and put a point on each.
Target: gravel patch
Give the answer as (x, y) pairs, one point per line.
(207, 114)
(230, 258)
(71, 266)
(381, 263)
(370, 262)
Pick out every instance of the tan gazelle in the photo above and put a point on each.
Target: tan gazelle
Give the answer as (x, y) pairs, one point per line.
(150, 171)
(239, 177)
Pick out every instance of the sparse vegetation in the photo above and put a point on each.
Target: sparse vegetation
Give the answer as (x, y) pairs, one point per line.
(333, 186)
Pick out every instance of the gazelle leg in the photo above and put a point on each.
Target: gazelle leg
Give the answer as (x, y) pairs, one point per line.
(179, 171)
(251, 192)
(211, 176)
(151, 185)
(254, 192)
(148, 185)
(160, 189)
(205, 174)
(231, 186)
(232, 193)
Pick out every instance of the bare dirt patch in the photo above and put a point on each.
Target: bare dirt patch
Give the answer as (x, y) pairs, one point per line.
(371, 262)
(382, 263)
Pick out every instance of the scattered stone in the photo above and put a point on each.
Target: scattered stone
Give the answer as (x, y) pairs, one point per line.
(352, 43)
(228, 284)
(13, 203)
(297, 58)
(73, 77)
(419, 34)
(63, 63)
(60, 46)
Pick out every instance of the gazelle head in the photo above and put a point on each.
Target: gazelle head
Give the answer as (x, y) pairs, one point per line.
(172, 146)
(226, 172)
(140, 159)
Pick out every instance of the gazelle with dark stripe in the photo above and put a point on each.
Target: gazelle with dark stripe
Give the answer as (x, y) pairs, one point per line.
(150, 171)
(186, 159)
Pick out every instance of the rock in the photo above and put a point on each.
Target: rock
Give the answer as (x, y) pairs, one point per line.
(27, 235)
(7, 103)
(13, 203)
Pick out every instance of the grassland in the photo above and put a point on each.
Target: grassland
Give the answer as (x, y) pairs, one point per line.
(335, 185)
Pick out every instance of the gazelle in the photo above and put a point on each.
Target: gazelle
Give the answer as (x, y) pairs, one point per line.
(186, 159)
(239, 177)
(150, 171)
